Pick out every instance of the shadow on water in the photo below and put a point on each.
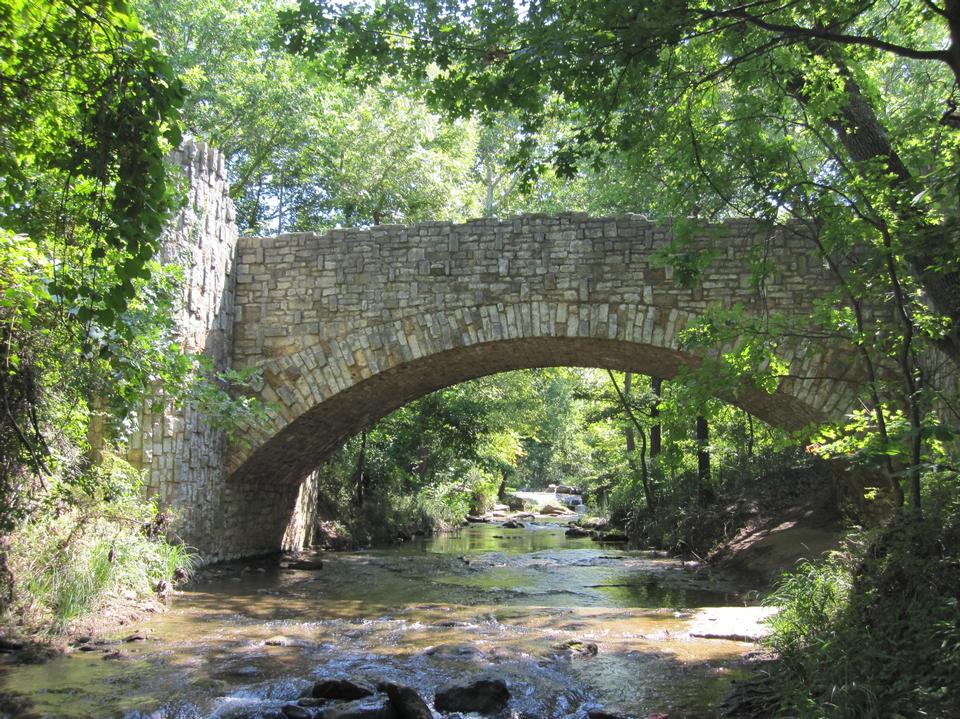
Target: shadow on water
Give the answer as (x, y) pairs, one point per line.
(515, 603)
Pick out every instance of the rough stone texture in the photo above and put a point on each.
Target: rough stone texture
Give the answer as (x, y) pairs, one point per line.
(350, 325)
(184, 458)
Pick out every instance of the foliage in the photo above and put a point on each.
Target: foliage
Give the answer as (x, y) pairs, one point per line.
(85, 100)
(306, 152)
(93, 541)
(88, 111)
(874, 632)
(779, 112)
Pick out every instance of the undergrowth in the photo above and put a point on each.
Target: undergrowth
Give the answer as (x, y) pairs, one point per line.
(88, 544)
(873, 632)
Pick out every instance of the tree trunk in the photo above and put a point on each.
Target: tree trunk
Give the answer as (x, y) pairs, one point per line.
(656, 386)
(489, 182)
(360, 478)
(630, 437)
(704, 491)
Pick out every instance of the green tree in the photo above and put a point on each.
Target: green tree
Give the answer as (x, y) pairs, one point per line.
(832, 111)
(304, 151)
(88, 112)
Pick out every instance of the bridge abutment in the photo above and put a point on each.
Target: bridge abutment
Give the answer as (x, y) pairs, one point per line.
(184, 456)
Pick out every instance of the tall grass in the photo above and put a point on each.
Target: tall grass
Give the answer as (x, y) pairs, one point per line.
(86, 546)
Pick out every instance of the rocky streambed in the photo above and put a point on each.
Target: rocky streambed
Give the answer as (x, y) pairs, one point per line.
(540, 623)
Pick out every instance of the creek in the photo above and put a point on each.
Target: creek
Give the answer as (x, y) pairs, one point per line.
(524, 605)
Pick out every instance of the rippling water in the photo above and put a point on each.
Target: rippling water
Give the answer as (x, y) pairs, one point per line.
(485, 601)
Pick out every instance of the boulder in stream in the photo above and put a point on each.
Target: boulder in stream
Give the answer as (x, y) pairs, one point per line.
(370, 708)
(484, 696)
(513, 524)
(578, 532)
(405, 701)
(554, 510)
(340, 689)
(295, 711)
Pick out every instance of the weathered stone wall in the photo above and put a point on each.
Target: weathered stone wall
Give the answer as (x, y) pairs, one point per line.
(183, 456)
(352, 324)
(301, 530)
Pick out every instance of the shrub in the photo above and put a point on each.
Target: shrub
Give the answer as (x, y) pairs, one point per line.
(874, 633)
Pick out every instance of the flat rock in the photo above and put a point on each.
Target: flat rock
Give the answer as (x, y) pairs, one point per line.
(484, 696)
(738, 624)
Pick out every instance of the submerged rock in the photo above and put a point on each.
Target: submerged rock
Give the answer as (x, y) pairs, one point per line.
(295, 711)
(575, 646)
(484, 696)
(340, 689)
(311, 703)
(310, 565)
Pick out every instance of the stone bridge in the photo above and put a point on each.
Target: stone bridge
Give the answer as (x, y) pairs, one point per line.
(349, 325)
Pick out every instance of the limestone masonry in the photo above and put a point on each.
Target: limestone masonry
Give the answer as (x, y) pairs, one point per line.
(352, 324)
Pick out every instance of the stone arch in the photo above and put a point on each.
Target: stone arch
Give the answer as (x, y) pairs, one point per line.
(329, 391)
(352, 323)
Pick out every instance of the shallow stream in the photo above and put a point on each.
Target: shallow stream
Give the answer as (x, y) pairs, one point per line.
(486, 601)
